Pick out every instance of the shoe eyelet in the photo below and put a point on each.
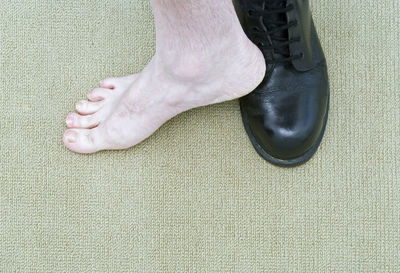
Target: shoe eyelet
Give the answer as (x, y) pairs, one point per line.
(250, 12)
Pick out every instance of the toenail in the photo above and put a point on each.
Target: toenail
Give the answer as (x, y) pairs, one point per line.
(80, 104)
(71, 137)
(92, 97)
(69, 121)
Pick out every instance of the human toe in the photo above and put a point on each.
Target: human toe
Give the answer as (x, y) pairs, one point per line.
(85, 107)
(77, 121)
(82, 140)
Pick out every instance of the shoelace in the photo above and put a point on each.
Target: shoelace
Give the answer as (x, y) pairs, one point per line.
(273, 10)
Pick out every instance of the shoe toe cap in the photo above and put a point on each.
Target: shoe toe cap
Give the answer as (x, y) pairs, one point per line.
(287, 143)
(287, 137)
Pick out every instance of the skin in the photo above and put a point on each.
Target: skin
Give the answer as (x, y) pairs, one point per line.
(202, 57)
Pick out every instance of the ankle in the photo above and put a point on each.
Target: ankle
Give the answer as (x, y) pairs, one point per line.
(198, 63)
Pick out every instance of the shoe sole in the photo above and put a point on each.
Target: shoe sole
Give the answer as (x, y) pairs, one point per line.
(282, 162)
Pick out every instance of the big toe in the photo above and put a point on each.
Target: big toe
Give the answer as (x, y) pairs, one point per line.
(82, 140)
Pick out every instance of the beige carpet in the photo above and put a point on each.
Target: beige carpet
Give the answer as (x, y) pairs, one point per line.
(195, 197)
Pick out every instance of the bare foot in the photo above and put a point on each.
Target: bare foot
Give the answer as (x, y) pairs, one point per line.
(207, 70)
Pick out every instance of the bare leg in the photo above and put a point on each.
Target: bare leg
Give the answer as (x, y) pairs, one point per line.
(202, 57)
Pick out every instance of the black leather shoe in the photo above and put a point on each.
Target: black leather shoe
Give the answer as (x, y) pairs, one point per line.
(285, 117)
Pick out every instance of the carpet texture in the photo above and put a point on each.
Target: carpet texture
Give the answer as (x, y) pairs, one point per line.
(194, 197)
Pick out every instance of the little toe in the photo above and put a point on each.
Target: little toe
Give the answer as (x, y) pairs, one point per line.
(99, 94)
(108, 83)
(77, 121)
(112, 83)
(82, 140)
(85, 107)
